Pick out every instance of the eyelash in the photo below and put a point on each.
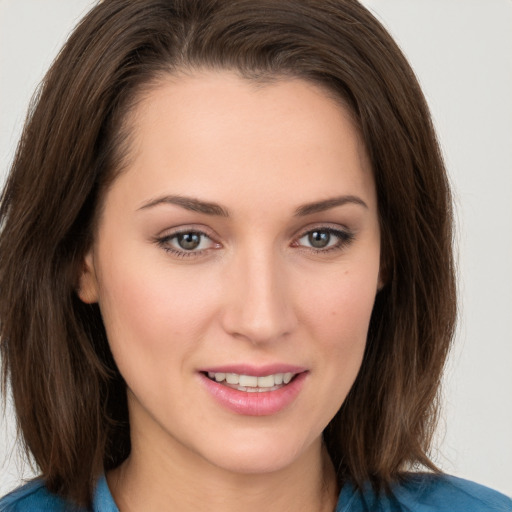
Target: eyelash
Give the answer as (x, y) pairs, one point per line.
(164, 241)
(344, 239)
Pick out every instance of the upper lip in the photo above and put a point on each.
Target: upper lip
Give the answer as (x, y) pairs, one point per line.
(257, 371)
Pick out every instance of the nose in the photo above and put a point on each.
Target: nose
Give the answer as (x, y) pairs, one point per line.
(259, 306)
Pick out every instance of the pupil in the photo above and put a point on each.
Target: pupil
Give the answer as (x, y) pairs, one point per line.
(319, 239)
(189, 241)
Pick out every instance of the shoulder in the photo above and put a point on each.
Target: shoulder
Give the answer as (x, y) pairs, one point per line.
(34, 497)
(427, 493)
(448, 493)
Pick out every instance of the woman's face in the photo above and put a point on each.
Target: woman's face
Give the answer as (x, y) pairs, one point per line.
(238, 250)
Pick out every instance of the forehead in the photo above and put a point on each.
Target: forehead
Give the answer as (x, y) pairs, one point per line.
(220, 134)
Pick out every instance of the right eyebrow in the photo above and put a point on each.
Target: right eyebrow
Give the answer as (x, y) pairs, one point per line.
(327, 204)
(188, 203)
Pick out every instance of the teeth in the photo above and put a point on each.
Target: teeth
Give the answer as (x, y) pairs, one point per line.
(248, 381)
(232, 378)
(266, 382)
(251, 381)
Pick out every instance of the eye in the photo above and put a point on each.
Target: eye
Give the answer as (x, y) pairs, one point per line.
(186, 243)
(324, 239)
(189, 241)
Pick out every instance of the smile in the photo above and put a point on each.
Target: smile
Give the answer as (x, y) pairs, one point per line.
(254, 391)
(252, 383)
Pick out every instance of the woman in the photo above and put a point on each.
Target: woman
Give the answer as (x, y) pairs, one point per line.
(226, 266)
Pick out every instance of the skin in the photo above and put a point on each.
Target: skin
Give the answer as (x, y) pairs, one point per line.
(255, 291)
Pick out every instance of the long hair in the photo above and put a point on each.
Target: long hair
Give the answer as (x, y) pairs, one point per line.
(69, 397)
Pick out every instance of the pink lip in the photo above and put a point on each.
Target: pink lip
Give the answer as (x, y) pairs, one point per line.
(257, 371)
(262, 403)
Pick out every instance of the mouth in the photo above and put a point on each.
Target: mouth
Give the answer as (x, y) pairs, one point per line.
(252, 383)
(254, 390)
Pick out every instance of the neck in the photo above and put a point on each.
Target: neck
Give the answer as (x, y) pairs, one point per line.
(181, 481)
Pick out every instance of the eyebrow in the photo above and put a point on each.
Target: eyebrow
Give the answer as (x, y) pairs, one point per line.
(195, 205)
(327, 204)
(189, 203)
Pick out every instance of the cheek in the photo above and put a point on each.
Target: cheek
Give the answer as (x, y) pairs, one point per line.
(345, 331)
(155, 313)
(340, 305)
(337, 316)
(351, 308)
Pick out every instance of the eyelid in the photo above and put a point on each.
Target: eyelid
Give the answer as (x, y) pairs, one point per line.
(326, 226)
(163, 240)
(345, 237)
(186, 228)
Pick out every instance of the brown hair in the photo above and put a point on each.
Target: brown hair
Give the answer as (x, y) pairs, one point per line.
(69, 397)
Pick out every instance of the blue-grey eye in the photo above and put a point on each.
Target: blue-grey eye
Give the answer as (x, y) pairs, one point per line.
(189, 241)
(186, 243)
(319, 239)
(325, 238)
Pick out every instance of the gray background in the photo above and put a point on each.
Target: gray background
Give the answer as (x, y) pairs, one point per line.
(461, 51)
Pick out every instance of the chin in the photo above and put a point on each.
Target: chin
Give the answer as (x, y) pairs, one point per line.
(260, 454)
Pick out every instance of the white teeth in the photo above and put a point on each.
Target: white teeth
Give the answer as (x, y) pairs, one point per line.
(266, 382)
(248, 381)
(232, 378)
(251, 381)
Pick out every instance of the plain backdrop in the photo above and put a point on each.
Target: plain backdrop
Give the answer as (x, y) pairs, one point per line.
(461, 52)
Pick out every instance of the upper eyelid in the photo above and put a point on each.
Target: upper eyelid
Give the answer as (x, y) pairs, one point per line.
(175, 234)
(328, 229)
(323, 226)
(171, 232)
(344, 235)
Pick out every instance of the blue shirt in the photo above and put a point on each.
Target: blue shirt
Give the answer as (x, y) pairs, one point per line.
(418, 493)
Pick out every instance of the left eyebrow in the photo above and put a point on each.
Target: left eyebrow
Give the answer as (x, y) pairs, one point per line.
(188, 203)
(327, 204)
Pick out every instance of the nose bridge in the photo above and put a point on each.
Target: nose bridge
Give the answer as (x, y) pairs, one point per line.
(259, 308)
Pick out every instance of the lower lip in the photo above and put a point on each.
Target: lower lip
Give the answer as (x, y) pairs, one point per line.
(262, 403)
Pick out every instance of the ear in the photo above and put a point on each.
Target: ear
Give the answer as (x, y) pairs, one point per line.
(87, 282)
(380, 284)
(382, 278)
